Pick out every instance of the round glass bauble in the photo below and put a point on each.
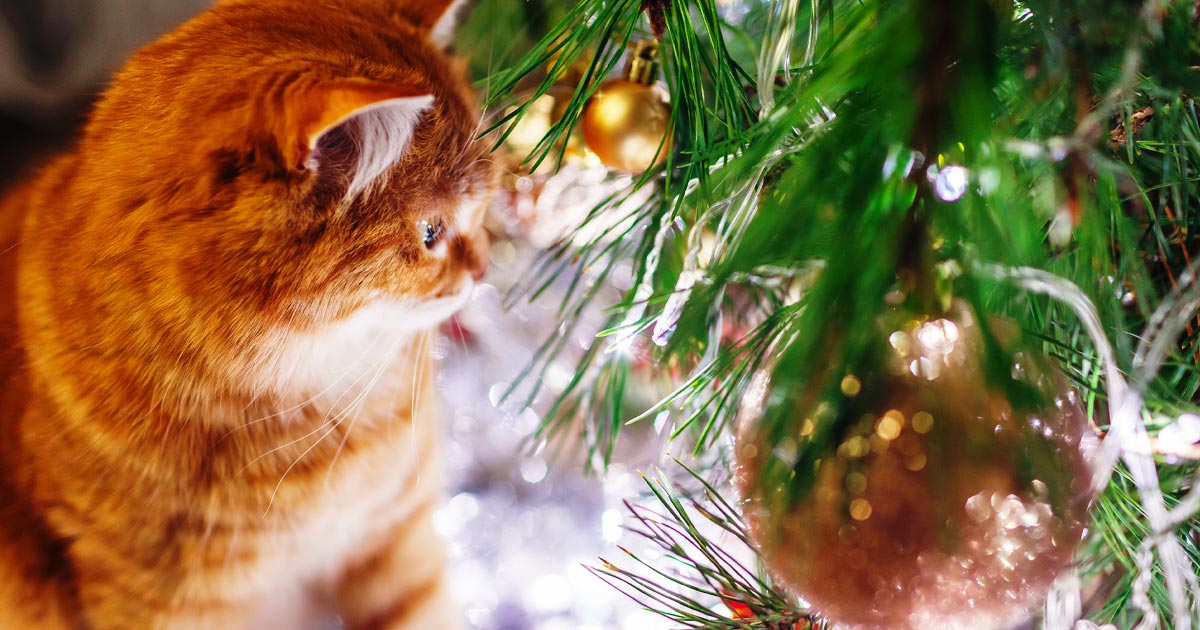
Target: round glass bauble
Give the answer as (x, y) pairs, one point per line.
(937, 481)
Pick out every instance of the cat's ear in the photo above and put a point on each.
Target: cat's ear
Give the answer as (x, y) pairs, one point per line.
(436, 17)
(379, 118)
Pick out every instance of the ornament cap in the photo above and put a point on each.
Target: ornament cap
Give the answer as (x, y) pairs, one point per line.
(643, 63)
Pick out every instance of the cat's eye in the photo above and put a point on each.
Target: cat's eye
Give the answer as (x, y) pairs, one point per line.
(431, 232)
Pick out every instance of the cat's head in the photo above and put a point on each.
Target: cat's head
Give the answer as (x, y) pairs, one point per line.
(275, 168)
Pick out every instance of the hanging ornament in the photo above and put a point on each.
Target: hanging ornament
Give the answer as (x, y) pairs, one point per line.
(541, 114)
(576, 181)
(627, 122)
(542, 110)
(939, 483)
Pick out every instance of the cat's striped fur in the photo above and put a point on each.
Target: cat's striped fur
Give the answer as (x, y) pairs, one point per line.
(215, 377)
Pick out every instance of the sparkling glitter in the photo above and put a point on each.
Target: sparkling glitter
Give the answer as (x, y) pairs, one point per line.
(888, 427)
(900, 342)
(610, 525)
(951, 183)
(978, 508)
(534, 470)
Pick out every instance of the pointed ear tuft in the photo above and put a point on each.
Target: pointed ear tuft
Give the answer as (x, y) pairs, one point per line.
(437, 18)
(383, 116)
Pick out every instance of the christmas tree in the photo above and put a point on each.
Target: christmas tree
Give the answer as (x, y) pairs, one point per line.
(920, 275)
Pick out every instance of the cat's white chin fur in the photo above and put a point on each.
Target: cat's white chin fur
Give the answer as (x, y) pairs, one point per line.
(352, 356)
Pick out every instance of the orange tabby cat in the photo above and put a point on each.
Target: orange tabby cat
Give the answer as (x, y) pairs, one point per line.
(215, 384)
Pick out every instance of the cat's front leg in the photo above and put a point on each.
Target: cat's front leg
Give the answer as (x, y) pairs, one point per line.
(402, 585)
(135, 579)
(115, 594)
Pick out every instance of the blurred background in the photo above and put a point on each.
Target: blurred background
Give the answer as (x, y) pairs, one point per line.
(56, 55)
(521, 528)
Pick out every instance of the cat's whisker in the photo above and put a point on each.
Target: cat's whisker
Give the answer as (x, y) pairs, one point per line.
(501, 165)
(159, 396)
(283, 446)
(315, 397)
(384, 363)
(337, 420)
(471, 139)
(361, 376)
(393, 407)
(417, 382)
(462, 343)
(296, 461)
(418, 388)
(334, 420)
(258, 389)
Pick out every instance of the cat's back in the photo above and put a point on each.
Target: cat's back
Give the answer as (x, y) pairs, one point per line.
(235, 40)
(17, 205)
(34, 579)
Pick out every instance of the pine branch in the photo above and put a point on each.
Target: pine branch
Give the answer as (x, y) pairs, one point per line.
(797, 174)
(696, 572)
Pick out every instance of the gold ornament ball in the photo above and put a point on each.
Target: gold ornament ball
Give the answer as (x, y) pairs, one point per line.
(533, 125)
(542, 113)
(626, 122)
(941, 495)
